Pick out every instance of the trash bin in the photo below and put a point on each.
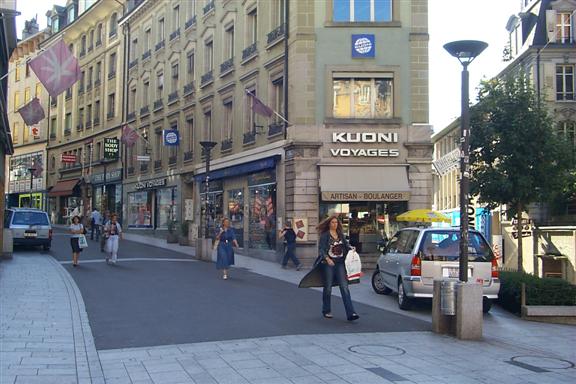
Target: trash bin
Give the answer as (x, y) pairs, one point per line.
(448, 297)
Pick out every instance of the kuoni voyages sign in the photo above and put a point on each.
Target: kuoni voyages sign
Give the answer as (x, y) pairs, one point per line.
(111, 148)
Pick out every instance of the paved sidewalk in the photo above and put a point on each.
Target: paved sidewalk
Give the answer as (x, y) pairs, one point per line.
(45, 337)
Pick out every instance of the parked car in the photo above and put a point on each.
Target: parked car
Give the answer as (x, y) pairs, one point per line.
(415, 257)
(29, 226)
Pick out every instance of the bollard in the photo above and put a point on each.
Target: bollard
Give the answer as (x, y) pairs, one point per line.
(448, 298)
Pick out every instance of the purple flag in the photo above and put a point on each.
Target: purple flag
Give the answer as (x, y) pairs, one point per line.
(259, 107)
(129, 136)
(56, 68)
(32, 112)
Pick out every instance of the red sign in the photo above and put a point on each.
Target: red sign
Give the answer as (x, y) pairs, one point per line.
(35, 132)
(68, 158)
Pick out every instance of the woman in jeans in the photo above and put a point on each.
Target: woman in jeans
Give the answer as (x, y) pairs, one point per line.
(332, 250)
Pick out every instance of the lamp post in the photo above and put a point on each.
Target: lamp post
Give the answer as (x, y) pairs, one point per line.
(207, 147)
(31, 170)
(465, 51)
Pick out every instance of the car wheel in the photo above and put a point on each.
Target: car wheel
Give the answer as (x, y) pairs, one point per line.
(404, 302)
(486, 304)
(378, 284)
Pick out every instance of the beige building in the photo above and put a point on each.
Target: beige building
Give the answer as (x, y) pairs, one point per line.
(357, 143)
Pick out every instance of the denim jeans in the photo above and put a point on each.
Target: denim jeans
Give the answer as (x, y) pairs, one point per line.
(290, 254)
(95, 228)
(336, 273)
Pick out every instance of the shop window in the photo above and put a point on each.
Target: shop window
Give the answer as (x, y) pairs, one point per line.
(362, 10)
(361, 98)
(262, 222)
(140, 209)
(565, 82)
(166, 207)
(214, 205)
(236, 213)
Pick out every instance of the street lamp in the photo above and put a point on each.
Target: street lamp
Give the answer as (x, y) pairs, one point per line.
(465, 51)
(207, 147)
(31, 170)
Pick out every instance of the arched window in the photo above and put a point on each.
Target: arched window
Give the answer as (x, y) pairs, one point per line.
(113, 24)
(99, 34)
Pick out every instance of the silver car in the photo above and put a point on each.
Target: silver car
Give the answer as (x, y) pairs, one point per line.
(29, 226)
(415, 257)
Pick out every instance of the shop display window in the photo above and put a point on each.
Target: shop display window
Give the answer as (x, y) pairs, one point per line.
(140, 209)
(262, 222)
(166, 207)
(236, 213)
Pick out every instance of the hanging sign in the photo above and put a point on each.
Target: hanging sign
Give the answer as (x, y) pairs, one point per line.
(68, 158)
(143, 158)
(111, 148)
(170, 137)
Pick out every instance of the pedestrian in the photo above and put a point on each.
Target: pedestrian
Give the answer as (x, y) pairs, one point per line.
(77, 230)
(225, 253)
(95, 224)
(113, 231)
(329, 268)
(289, 237)
(105, 219)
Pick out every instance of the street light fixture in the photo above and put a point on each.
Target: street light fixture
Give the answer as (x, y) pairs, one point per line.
(465, 51)
(207, 147)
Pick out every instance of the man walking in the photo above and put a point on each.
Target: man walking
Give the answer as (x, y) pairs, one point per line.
(290, 239)
(95, 224)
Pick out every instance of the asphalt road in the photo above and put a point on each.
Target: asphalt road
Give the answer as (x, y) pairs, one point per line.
(158, 297)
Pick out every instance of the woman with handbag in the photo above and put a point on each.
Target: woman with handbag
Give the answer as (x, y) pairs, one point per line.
(332, 250)
(225, 253)
(113, 231)
(77, 230)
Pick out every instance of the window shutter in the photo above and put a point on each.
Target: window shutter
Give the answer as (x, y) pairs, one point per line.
(551, 25)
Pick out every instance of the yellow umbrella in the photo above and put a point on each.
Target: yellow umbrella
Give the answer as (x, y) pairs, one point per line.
(423, 216)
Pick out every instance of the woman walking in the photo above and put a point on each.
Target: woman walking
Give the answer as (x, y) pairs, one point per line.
(113, 231)
(329, 267)
(77, 230)
(225, 253)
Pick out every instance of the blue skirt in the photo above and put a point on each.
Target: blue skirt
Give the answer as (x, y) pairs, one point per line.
(225, 256)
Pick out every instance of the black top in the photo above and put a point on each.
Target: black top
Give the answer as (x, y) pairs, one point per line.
(289, 235)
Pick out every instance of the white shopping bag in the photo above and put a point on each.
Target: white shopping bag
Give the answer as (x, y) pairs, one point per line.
(82, 242)
(353, 266)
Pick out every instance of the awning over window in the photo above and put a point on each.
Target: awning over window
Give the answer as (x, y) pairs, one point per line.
(64, 188)
(364, 183)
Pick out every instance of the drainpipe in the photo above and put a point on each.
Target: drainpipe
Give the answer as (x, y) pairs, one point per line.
(286, 29)
(538, 75)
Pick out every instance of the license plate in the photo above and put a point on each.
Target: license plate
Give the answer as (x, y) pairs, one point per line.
(30, 235)
(453, 273)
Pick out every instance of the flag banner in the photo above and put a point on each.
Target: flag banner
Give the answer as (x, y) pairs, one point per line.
(56, 68)
(259, 107)
(129, 136)
(32, 112)
(170, 137)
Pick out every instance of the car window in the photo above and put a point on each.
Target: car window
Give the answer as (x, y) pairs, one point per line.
(403, 242)
(30, 218)
(445, 245)
(7, 217)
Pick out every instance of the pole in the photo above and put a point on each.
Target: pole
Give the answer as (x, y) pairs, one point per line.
(464, 175)
(206, 190)
(31, 184)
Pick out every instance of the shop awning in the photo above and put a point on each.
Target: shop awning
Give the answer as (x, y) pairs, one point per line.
(364, 183)
(64, 188)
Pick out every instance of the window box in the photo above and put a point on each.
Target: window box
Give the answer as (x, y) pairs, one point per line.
(175, 34)
(208, 7)
(227, 66)
(226, 145)
(159, 45)
(131, 116)
(172, 160)
(146, 55)
(249, 52)
(157, 164)
(276, 35)
(158, 104)
(190, 22)
(144, 111)
(206, 78)
(188, 156)
(173, 97)
(189, 88)
(275, 129)
(249, 138)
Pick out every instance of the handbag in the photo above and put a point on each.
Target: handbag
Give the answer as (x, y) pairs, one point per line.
(82, 242)
(353, 266)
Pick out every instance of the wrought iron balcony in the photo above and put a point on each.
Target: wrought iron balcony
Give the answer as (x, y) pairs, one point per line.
(188, 156)
(110, 115)
(80, 89)
(208, 7)
(131, 116)
(207, 78)
(276, 34)
(175, 34)
(89, 87)
(157, 164)
(79, 127)
(190, 22)
(158, 104)
(96, 120)
(53, 101)
(189, 88)
(68, 94)
(111, 75)
(144, 111)
(98, 42)
(173, 97)
(83, 53)
(90, 48)
(172, 160)
(227, 66)
(252, 50)
(144, 167)
(249, 138)
(133, 63)
(112, 33)
(96, 82)
(88, 124)
(275, 129)
(226, 145)
(67, 132)
(52, 136)
(160, 45)
(146, 54)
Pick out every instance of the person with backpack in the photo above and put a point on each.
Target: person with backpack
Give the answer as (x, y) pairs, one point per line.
(289, 237)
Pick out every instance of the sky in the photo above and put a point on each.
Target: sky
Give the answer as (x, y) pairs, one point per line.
(449, 20)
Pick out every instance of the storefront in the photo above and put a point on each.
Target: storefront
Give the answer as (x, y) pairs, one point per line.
(106, 192)
(26, 181)
(65, 201)
(152, 204)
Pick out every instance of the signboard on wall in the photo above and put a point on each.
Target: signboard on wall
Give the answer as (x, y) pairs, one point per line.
(300, 226)
(68, 158)
(363, 46)
(365, 196)
(111, 148)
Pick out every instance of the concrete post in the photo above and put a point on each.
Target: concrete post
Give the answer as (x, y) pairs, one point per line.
(8, 244)
(469, 311)
(204, 249)
(440, 323)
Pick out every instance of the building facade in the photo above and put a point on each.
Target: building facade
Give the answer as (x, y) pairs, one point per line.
(349, 134)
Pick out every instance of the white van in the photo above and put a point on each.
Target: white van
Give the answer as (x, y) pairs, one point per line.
(29, 226)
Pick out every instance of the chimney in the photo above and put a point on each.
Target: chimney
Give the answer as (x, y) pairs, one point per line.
(31, 27)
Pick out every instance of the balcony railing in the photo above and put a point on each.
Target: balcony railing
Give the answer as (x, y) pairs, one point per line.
(276, 34)
(227, 66)
(172, 160)
(160, 45)
(80, 90)
(90, 48)
(275, 129)
(112, 33)
(226, 145)
(68, 94)
(96, 82)
(190, 22)
(207, 78)
(157, 164)
(79, 127)
(52, 136)
(88, 124)
(189, 88)
(110, 115)
(173, 97)
(67, 132)
(144, 167)
(98, 42)
(158, 104)
(144, 111)
(249, 138)
(146, 54)
(131, 116)
(252, 50)
(175, 34)
(83, 53)
(111, 75)
(96, 120)
(53, 101)
(208, 7)
(188, 155)
(89, 87)
(133, 63)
